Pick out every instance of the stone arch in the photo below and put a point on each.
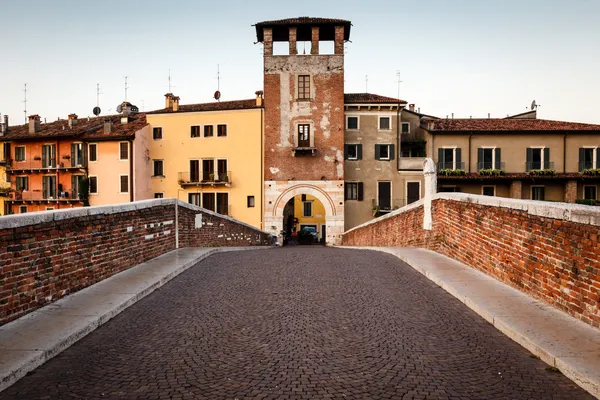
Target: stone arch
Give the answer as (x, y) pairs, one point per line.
(290, 193)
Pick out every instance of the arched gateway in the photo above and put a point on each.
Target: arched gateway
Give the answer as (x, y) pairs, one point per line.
(331, 198)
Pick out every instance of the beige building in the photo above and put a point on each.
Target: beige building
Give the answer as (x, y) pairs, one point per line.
(519, 157)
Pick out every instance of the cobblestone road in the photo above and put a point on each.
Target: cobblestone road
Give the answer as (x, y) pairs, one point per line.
(296, 323)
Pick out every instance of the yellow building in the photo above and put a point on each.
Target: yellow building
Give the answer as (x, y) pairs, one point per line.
(210, 155)
(309, 212)
(4, 186)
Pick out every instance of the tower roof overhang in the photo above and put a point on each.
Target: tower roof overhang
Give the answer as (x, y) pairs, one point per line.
(281, 31)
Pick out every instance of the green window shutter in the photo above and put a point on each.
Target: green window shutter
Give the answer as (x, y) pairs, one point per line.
(392, 151)
(479, 159)
(44, 186)
(458, 158)
(441, 158)
(377, 152)
(359, 151)
(345, 152)
(581, 158)
(597, 158)
(44, 156)
(360, 191)
(73, 151)
(498, 159)
(529, 159)
(546, 158)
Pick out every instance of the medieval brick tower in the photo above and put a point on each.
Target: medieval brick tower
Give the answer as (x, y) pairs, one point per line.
(304, 118)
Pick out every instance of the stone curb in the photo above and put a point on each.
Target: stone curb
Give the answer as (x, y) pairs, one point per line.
(588, 380)
(40, 356)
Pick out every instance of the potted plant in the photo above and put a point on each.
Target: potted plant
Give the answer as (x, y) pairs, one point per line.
(37, 158)
(224, 178)
(66, 157)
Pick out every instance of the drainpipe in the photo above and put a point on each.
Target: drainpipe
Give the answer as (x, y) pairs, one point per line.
(130, 169)
(565, 154)
(57, 163)
(470, 136)
(262, 172)
(398, 136)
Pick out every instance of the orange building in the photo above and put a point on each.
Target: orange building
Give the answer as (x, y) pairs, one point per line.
(48, 164)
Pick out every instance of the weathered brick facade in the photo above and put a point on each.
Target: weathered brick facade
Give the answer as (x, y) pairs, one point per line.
(45, 256)
(551, 258)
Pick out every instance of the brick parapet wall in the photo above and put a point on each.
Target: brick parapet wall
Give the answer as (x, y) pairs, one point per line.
(548, 250)
(47, 255)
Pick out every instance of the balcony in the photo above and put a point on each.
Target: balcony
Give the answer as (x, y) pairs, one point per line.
(539, 166)
(13, 166)
(384, 206)
(412, 163)
(68, 196)
(204, 178)
(490, 166)
(587, 165)
(301, 151)
(453, 166)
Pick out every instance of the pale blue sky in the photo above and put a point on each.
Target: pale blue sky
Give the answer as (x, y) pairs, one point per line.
(464, 57)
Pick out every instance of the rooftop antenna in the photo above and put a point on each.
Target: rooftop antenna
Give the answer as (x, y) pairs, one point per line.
(126, 87)
(217, 95)
(96, 111)
(170, 84)
(534, 105)
(366, 83)
(399, 81)
(25, 102)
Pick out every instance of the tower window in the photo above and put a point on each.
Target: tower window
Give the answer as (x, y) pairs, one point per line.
(303, 87)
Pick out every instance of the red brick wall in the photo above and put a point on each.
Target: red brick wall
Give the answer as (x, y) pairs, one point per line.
(45, 257)
(554, 260)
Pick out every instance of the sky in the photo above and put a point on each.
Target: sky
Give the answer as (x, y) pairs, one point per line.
(462, 57)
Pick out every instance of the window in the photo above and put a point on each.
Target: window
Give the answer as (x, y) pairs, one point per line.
(75, 186)
(194, 198)
(488, 158)
(222, 130)
(76, 154)
(304, 135)
(537, 193)
(208, 130)
(49, 156)
(124, 183)
(92, 152)
(538, 158)
(157, 133)
(93, 184)
(353, 152)
(123, 151)
(405, 128)
(223, 203)
(49, 186)
(158, 168)
(22, 209)
(384, 152)
(413, 192)
(488, 190)
(22, 183)
(194, 170)
(353, 191)
(307, 208)
(590, 193)
(449, 158)
(208, 201)
(208, 169)
(384, 195)
(303, 87)
(250, 201)
(195, 131)
(221, 174)
(20, 153)
(352, 123)
(588, 158)
(412, 149)
(159, 195)
(385, 123)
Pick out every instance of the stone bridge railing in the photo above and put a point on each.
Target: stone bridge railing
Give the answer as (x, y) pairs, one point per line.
(47, 255)
(548, 250)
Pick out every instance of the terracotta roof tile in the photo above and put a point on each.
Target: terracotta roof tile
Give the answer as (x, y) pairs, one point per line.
(369, 98)
(506, 125)
(84, 128)
(215, 106)
(279, 25)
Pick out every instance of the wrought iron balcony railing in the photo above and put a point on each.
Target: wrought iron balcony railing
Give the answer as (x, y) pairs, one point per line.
(204, 178)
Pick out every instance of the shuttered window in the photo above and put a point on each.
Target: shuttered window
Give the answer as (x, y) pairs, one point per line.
(124, 184)
(124, 151)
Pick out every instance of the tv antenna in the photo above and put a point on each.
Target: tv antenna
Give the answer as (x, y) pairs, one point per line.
(97, 109)
(217, 94)
(25, 102)
(126, 87)
(366, 83)
(170, 84)
(399, 82)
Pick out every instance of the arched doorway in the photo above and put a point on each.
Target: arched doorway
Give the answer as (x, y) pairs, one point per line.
(333, 225)
(304, 221)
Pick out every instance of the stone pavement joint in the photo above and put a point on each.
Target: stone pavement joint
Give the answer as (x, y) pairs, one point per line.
(304, 322)
(558, 339)
(33, 339)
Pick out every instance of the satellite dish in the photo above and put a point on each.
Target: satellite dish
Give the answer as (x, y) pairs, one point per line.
(533, 105)
(217, 95)
(119, 108)
(96, 111)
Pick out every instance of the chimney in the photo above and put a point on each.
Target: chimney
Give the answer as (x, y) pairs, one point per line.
(411, 107)
(108, 126)
(34, 123)
(125, 112)
(172, 102)
(175, 103)
(4, 126)
(259, 98)
(72, 120)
